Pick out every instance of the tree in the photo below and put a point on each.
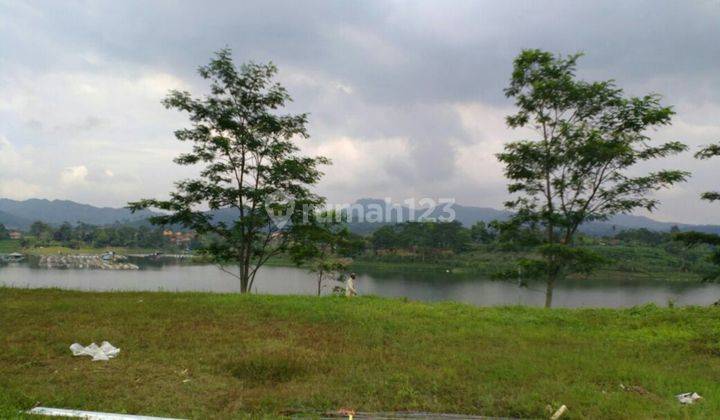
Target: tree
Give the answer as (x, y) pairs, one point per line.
(41, 231)
(250, 164)
(385, 237)
(697, 238)
(85, 232)
(643, 236)
(589, 136)
(513, 235)
(415, 236)
(319, 243)
(480, 233)
(63, 233)
(448, 235)
(328, 267)
(708, 152)
(4, 233)
(352, 245)
(692, 239)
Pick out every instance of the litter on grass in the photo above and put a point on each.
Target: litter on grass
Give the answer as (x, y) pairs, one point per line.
(89, 415)
(559, 413)
(104, 351)
(688, 397)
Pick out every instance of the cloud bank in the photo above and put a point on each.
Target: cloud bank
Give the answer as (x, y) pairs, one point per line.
(405, 97)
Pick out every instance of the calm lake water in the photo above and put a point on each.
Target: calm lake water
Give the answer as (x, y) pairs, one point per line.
(415, 286)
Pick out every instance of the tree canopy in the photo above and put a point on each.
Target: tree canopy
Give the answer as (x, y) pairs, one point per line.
(422, 236)
(577, 169)
(250, 162)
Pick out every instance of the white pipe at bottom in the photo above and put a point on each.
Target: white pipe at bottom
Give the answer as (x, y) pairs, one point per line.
(89, 415)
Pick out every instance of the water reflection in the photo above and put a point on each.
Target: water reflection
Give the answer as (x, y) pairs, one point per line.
(426, 286)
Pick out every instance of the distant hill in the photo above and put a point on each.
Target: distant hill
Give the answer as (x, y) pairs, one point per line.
(13, 222)
(630, 221)
(20, 214)
(363, 214)
(468, 216)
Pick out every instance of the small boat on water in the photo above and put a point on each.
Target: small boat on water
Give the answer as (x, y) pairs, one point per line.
(13, 257)
(112, 256)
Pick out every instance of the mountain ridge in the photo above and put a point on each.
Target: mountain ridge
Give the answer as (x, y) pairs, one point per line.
(20, 214)
(469, 215)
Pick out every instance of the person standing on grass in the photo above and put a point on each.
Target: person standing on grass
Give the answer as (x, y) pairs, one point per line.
(350, 286)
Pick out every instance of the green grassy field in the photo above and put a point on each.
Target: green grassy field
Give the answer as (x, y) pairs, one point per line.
(224, 356)
(9, 245)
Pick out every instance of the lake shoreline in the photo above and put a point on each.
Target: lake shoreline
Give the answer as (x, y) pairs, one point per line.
(420, 285)
(642, 265)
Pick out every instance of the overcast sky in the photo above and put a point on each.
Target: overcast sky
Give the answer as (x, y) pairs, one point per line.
(405, 97)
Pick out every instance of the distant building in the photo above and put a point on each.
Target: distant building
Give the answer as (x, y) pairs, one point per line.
(15, 235)
(179, 238)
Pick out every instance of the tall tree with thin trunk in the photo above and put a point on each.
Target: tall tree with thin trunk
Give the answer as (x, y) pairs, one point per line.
(250, 167)
(577, 169)
(697, 238)
(318, 245)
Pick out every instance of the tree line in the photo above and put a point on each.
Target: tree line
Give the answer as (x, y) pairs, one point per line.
(83, 234)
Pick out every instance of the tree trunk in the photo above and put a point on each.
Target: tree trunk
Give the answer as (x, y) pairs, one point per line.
(552, 277)
(244, 279)
(243, 284)
(549, 293)
(244, 270)
(319, 284)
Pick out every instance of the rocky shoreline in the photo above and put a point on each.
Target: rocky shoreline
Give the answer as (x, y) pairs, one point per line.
(96, 262)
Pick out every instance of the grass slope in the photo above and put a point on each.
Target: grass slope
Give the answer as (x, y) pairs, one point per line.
(223, 356)
(8, 246)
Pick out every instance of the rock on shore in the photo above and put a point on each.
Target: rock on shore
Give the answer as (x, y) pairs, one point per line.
(84, 261)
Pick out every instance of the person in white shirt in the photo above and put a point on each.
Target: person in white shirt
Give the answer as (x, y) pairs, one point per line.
(350, 286)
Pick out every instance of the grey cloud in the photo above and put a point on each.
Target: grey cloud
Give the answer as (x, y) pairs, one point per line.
(86, 124)
(394, 52)
(405, 65)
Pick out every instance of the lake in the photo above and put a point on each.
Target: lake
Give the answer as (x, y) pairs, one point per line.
(435, 286)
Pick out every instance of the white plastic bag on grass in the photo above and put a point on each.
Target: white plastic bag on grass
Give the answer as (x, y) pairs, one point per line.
(105, 351)
(688, 397)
